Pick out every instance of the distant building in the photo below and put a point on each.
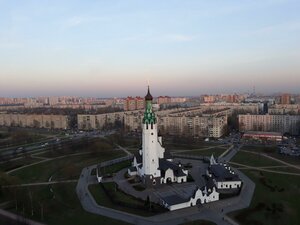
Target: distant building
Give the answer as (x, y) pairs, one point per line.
(263, 136)
(35, 121)
(136, 103)
(285, 99)
(163, 100)
(99, 121)
(209, 98)
(270, 123)
(291, 109)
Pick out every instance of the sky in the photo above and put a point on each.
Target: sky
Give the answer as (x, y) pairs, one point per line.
(107, 48)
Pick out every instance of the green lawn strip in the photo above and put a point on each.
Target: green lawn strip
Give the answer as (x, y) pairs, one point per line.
(286, 158)
(108, 195)
(199, 222)
(62, 207)
(115, 168)
(215, 151)
(264, 149)
(275, 201)
(68, 167)
(13, 164)
(273, 151)
(250, 159)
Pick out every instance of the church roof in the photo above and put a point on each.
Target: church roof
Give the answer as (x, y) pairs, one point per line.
(220, 173)
(148, 97)
(173, 199)
(138, 157)
(165, 165)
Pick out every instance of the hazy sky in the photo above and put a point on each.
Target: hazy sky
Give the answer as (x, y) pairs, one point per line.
(184, 47)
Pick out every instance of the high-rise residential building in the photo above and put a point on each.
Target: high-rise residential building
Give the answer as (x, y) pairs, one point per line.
(270, 123)
(163, 100)
(35, 121)
(136, 103)
(209, 98)
(285, 99)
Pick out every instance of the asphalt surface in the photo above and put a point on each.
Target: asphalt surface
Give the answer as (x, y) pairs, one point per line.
(215, 211)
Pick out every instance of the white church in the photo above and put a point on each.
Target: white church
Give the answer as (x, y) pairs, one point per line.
(151, 164)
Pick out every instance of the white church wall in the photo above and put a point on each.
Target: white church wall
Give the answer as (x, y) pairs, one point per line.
(229, 184)
(169, 174)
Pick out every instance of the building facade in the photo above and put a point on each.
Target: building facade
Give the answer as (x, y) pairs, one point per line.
(270, 123)
(291, 109)
(35, 121)
(136, 103)
(99, 121)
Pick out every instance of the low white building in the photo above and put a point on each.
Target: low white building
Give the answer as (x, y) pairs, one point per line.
(222, 176)
(200, 196)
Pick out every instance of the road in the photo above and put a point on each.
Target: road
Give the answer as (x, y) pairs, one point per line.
(14, 152)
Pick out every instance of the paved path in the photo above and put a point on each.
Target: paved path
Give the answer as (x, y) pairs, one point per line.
(230, 154)
(215, 211)
(125, 150)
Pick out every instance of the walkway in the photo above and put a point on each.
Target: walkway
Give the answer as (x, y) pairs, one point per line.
(215, 211)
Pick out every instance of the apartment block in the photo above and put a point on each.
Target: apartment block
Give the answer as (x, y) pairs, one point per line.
(35, 121)
(100, 121)
(270, 123)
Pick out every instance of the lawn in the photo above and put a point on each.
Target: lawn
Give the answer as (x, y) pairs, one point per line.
(273, 151)
(13, 137)
(60, 207)
(276, 200)
(215, 151)
(264, 149)
(68, 167)
(13, 164)
(250, 159)
(108, 195)
(115, 168)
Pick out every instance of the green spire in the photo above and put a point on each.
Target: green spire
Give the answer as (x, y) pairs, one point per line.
(149, 116)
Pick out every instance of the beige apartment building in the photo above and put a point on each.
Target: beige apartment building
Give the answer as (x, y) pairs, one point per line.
(197, 126)
(35, 121)
(270, 123)
(99, 121)
(192, 122)
(285, 109)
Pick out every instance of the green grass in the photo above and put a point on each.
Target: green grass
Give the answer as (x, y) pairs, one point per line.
(13, 164)
(121, 201)
(250, 159)
(264, 149)
(276, 200)
(273, 151)
(216, 151)
(61, 207)
(115, 168)
(65, 168)
(15, 137)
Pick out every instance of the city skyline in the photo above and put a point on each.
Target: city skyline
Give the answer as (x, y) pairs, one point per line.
(111, 48)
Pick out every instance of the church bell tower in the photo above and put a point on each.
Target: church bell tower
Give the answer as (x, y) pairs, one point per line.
(149, 149)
